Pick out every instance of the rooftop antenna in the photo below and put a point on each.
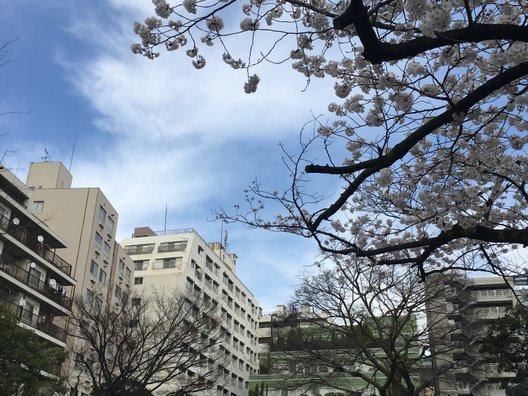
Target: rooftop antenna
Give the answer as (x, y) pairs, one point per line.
(47, 157)
(71, 158)
(225, 240)
(5, 155)
(165, 222)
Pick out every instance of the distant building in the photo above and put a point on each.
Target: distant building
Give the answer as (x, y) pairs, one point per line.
(87, 221)
(181, 260)
(469, 307)
(287, 335)
(35, 282)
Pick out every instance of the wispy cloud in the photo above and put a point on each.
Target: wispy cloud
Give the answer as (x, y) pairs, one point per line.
(165, 133)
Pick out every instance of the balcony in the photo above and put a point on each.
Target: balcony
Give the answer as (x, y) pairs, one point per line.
(39, 322)
(31, 241)
(139, 249)
(55, 294)
(166, 247)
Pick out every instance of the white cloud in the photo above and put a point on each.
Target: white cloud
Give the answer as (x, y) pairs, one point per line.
(167, 128)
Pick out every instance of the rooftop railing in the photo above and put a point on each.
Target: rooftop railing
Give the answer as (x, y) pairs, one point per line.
(31, 241)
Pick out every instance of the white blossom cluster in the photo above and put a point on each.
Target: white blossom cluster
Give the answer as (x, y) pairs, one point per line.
(470, 170)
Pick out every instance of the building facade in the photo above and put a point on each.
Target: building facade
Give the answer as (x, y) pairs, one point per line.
(87, 221)
(304, 353)
(35, 282)
(180, 260)
(469, 307)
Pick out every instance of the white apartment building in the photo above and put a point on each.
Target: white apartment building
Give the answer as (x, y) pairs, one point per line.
(35, 283)
(470, 306)
(182, 260)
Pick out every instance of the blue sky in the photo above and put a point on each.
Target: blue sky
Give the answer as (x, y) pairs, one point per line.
(151, 133)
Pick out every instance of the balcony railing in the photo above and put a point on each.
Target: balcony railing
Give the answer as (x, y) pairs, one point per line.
(166, 247)
(38, 322)
(26, 277)
(139, 249)
(32, 242)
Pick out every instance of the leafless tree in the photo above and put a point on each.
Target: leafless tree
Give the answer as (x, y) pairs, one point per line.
(166, 342)
(367, 327)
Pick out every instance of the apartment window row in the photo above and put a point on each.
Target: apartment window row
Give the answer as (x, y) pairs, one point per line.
(492, 310)
(105, 220)
(239, 294)
(95, 270)
(200, 276)
(495, 292)
(168, 263)
(93, 300)
(106, 248)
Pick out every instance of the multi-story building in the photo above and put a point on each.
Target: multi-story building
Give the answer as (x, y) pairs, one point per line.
(87, 221)
(469, 307)
(305, 353)
(35, 282)
(181, 260)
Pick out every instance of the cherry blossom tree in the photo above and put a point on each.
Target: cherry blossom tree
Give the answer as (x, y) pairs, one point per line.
(426, 134)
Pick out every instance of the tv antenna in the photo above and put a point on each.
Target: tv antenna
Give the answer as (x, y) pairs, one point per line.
(47, 156)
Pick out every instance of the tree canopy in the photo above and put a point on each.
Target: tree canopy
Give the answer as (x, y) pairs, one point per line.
(507, 341)
(28, 364)
(426, 134)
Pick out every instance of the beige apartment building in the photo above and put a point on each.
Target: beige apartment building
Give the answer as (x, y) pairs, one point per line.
(35, 282)
(87, 221)
(470, 306)
(181, 260)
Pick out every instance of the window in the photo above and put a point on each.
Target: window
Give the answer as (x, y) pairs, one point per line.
(136, 300)
(109, 225)
(102, 277)
(118, 293)
(170, 262)
(38, 206)
(98, 240)
(138, 280)
(2, 211)
(122, 267)
(79, 361)
(101, 215)
(106, 250)
(93, 269)
(209, 262)
(34, 277)
(89, 297)
(128, 275)
(140, 265)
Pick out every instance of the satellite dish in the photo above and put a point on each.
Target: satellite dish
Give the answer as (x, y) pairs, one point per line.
(16, 221)
(32, 265)
(40, 238)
